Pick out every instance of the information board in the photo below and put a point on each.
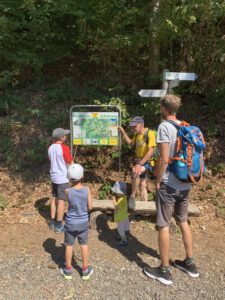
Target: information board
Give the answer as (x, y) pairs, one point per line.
(95, 128)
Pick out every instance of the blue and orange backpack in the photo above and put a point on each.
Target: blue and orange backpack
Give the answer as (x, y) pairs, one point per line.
(188, 163)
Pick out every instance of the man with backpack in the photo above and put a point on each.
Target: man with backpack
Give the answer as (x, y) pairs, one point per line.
(171, 194)
(144, 143)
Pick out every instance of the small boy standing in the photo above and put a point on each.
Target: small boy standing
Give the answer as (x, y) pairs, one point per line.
(59, 156)
(120, 213)
(76, 224)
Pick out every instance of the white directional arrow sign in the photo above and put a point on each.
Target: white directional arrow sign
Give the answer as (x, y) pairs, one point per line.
(180, 76)
(152, 93)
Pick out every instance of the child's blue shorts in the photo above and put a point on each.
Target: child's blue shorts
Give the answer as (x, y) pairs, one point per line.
(76, 230)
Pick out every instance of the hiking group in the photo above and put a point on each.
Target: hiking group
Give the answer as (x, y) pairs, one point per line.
(179, 164)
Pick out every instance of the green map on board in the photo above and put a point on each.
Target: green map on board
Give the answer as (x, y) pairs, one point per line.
(95, 128)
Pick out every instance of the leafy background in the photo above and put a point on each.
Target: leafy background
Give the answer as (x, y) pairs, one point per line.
(56, 53)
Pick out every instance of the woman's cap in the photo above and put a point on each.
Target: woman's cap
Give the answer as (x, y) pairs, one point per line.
(119, 187)
(75, 172)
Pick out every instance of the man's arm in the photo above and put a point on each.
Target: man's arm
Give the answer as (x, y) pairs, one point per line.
(125, 136)
(162, 162)
(144, 159)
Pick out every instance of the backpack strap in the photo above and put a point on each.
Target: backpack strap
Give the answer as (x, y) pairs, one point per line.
(146, 133)
(173, 123)
(183, 123)
(145, 136)
(179, 139)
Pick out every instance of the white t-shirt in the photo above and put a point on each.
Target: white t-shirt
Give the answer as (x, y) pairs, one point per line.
(59, 156)
(167, 133)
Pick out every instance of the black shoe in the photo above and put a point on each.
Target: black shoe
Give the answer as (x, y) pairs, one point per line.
(161, 273)
(188, 266)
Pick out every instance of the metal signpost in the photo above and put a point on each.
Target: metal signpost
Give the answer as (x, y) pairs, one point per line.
(180, 76)
(95, 125)
(170, 80)
(152, 93)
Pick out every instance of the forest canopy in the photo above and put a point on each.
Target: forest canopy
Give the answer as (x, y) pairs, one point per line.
(129, 42)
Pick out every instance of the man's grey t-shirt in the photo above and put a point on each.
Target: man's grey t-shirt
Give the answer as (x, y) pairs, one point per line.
(167, 133)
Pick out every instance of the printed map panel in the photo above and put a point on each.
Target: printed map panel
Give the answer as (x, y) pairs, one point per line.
(95, 128)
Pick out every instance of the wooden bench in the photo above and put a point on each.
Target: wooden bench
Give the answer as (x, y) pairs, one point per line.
(142, 207)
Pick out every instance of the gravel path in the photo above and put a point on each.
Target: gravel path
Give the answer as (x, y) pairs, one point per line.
(30, 255)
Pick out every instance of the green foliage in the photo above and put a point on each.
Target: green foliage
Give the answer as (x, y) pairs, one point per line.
(3, 202)
(218, 169)
(216, 100)
(79, 51)
(105, 191)
(119, 45)
(36, 154)
(115, 154)
(151, 196)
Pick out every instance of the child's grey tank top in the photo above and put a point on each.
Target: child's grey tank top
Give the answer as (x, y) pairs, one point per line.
(77, 206)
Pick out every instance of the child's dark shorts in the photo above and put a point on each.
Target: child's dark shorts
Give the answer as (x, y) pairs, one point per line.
(58, 190)
(171, 202)
(76, 230)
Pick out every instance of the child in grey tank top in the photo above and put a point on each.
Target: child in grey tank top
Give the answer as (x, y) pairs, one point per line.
(76, 223)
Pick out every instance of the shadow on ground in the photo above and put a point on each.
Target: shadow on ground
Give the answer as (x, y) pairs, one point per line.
(134, 248)
(57, 252)
(43, 208)
(58, 255)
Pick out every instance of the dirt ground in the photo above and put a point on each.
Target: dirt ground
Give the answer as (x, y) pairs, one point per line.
(30, 254)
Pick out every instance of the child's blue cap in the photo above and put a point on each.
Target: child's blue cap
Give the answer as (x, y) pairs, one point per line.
(119, 187)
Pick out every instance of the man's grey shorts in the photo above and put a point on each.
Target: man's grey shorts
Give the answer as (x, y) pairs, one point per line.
(58, 190)
(171, 202)
(80, 231)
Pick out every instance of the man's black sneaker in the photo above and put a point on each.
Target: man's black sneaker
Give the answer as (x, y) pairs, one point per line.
(161, 273)
(188, 266)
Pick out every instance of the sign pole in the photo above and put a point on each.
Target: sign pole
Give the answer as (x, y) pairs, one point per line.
(165, 84)
(170, 80)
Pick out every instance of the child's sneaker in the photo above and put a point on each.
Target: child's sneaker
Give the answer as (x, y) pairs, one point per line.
(59, 229)
(87, 273)
(188, 266)
(66, 273)
(52, 224)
